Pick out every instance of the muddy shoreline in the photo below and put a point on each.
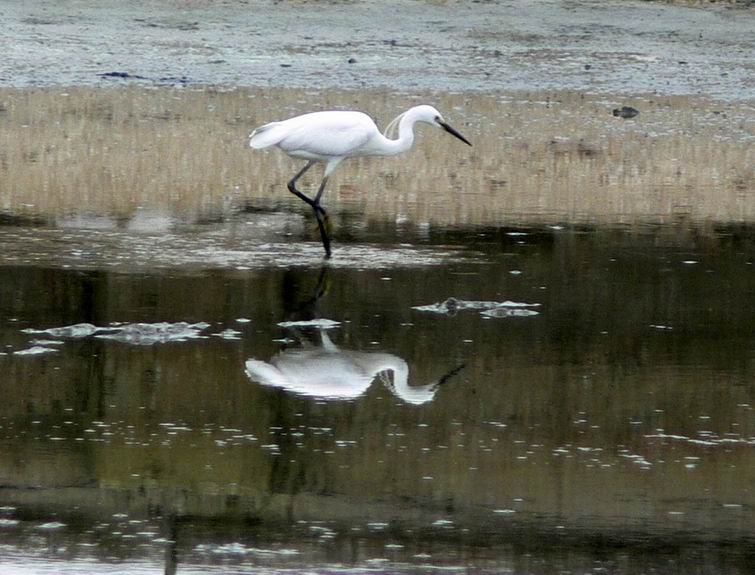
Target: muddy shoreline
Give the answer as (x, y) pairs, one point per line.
(613, 47)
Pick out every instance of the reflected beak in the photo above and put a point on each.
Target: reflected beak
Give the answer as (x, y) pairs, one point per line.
(453, 132)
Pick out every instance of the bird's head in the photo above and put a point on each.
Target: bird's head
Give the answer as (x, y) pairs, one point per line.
(430, 115)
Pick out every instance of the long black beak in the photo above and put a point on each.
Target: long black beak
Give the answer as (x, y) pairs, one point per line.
(453, 132)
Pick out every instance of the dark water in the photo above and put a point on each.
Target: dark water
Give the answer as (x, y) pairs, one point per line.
(608, 429)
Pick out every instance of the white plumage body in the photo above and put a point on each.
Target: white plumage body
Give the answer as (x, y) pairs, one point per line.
(319, 136)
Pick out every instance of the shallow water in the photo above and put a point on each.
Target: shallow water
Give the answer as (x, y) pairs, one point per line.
(222, 401)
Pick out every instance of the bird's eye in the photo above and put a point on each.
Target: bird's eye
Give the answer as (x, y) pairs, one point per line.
(437, 118)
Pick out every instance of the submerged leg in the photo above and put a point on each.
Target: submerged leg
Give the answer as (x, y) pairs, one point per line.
(322, 218)
(323, 231)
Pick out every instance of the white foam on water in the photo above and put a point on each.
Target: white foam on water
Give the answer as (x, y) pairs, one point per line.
(710, 440)
(51, 525)
(35, 350)
(237, 548)
(509, 312)
(46, 342)
(453, 305)
(227, 334)
(377, 525)
(152, 333)
(69, 331)
(321, 323)
(131, 333)
(9, 522)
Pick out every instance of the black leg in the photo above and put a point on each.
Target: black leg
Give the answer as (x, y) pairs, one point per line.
(321, 190)
(292, 188)
(323, 231)
(322, 218)
(320, 213)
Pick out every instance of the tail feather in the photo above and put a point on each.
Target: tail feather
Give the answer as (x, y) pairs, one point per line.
(265, 136)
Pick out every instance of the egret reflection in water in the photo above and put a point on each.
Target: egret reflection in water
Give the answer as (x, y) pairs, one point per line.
(318, 368)
(328, 372)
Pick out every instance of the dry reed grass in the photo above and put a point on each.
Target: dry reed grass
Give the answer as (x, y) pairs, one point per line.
(536, 158)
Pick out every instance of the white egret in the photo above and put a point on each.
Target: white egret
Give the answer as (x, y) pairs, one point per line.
(331, 137)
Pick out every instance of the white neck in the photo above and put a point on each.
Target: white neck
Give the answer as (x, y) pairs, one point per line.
(384, 146)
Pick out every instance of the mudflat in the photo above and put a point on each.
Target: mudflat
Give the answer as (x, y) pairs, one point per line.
(617, 47)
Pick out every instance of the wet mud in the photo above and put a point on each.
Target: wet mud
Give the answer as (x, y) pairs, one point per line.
(616, 47)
